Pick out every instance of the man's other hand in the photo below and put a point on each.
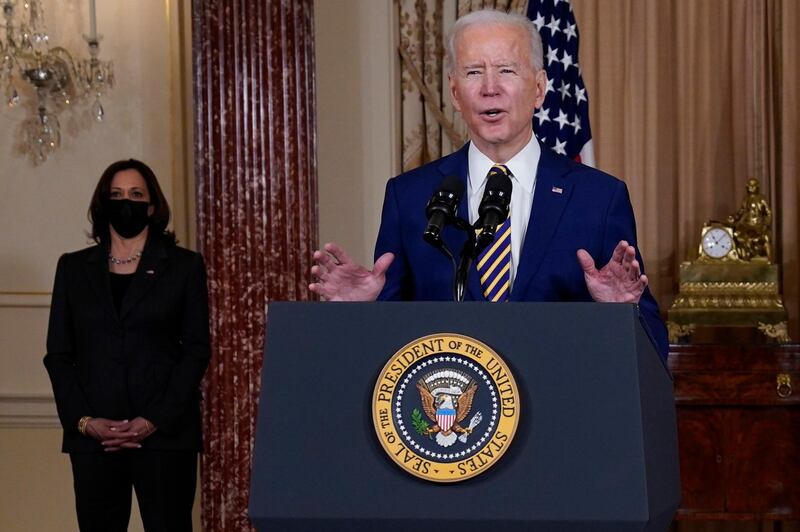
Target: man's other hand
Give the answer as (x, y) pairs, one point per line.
(619, 281)
(339, 278)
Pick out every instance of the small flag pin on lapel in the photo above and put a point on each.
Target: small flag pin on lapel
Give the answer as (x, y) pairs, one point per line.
(558, 190)
(150, 272)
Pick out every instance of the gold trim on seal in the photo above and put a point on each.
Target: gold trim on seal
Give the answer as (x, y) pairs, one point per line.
(384, 394)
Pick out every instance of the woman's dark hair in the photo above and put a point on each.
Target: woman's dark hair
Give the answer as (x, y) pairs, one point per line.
(98, 217)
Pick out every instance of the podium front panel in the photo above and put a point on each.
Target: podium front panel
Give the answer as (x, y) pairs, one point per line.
(591, 385)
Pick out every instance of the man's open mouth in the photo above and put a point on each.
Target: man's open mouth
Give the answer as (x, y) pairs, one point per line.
(491, 113)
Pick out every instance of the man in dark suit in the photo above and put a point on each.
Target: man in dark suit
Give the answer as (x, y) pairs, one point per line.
(562, 213)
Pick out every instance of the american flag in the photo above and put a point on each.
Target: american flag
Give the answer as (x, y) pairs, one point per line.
(562, 123)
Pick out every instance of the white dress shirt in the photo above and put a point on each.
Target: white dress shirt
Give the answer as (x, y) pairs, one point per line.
(523, 180)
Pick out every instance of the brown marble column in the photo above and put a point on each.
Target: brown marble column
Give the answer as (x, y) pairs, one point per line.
(255, 163)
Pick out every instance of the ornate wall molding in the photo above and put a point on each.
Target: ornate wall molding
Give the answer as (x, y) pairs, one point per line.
(25, 299)
(28, 411)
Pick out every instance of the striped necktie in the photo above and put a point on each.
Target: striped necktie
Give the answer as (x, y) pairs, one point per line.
(494, 262)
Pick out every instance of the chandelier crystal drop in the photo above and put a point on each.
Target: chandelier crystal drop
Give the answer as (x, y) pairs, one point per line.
(30, 65)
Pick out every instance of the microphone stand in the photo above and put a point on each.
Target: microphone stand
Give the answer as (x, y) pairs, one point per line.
(469, 251)
(468, 254)
(465, 260)
(439, 244)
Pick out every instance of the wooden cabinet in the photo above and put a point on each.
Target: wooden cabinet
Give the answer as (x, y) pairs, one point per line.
(738, 431)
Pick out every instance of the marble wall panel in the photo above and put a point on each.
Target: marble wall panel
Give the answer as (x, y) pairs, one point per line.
(255, 161)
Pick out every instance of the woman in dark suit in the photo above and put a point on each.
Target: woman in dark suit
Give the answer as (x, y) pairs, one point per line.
(127, 347)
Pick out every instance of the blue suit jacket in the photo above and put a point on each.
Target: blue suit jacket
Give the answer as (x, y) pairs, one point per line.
(574, 206)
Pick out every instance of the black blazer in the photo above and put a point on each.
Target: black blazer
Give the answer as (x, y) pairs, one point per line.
(147, 360)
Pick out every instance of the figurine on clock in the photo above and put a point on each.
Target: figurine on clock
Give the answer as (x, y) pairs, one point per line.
(751, 225)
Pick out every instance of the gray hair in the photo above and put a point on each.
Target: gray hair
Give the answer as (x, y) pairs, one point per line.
(488, 17)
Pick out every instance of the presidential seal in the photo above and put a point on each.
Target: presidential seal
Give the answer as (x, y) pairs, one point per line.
(445, 407)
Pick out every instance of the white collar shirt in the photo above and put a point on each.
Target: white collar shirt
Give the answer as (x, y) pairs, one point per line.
(523, 167)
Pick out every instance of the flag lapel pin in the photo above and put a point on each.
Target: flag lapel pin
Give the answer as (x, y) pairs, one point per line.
(557, 190)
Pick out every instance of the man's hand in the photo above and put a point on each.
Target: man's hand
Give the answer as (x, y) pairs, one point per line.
(116, 435)
(338, 278)
(619, 281)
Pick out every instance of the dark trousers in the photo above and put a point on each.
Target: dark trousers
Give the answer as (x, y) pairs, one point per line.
(164, 482)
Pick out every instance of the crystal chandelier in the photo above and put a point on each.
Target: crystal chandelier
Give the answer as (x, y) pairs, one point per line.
(28, 63)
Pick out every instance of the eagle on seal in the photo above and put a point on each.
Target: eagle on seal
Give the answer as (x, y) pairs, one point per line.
(446, 410)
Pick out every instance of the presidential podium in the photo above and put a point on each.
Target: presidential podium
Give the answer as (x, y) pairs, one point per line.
(595, 447)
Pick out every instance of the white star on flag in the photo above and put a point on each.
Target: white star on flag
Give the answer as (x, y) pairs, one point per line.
(569, 31)
(552, 55)
(538, 22)
(543, 115)
(566, 60)
(554, 25)
(564, 90)
(580, 94)
(562, 119)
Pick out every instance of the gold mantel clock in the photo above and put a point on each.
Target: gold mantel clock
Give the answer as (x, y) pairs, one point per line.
(733, 282)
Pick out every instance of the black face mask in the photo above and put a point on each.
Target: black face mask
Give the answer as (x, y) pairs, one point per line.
(127, 217)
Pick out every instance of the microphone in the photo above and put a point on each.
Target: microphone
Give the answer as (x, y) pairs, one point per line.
(441, 209)
(493, 209)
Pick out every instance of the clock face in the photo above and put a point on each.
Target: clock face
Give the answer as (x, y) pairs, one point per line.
(717, 243)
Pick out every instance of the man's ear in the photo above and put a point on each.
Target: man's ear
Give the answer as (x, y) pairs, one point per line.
(453, 93)
(541, 87)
